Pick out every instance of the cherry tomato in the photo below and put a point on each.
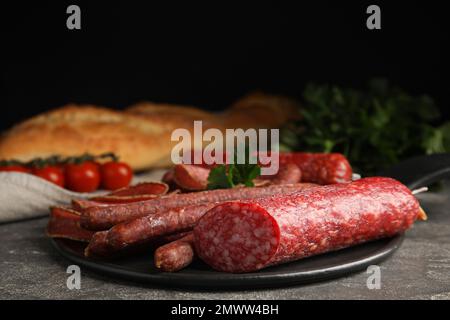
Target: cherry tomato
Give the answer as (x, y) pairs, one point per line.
(115, 175)
(50, 173)
(84, 177)
(15, 168)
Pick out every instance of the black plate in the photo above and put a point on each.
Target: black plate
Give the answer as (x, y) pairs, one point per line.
(415, 172)
(140, 268)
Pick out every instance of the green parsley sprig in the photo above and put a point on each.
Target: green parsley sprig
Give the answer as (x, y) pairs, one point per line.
(227, 176)
(374, 128)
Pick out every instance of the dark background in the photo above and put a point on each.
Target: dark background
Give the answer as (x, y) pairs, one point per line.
(209, 55)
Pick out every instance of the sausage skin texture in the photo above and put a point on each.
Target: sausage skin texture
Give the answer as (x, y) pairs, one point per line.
(320, 168)
(250, 235)
(148, 228)
(104, 217)
(145, 230)
(100, 247)
(175, 255)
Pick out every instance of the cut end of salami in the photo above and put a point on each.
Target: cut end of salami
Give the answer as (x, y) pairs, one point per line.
(237, 237)
(191, 177)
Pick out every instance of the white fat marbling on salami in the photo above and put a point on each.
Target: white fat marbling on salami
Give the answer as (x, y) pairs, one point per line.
(246, 236)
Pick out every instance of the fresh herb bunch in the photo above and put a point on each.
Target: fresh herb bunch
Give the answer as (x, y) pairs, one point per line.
(374, 128)
(235, 174)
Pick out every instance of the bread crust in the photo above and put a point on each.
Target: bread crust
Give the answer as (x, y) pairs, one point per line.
(140, 135)
(76, 129)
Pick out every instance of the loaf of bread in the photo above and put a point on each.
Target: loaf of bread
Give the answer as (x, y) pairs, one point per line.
(259, 110)
(140, 135)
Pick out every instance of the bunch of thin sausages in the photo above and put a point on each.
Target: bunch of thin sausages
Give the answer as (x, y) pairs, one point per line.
(310, 206)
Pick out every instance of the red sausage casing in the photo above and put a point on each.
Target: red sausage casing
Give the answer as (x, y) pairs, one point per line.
(321, 168)
(104, 217)
(250, 235)
(175, 255)
(145, 229)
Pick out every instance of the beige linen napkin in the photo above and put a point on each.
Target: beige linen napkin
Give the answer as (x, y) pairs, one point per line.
(24, 196)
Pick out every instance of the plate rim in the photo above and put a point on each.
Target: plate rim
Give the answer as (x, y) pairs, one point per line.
(240, 281)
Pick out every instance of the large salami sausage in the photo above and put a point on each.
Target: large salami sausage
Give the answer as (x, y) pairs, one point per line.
(104, 217)
(250, 235)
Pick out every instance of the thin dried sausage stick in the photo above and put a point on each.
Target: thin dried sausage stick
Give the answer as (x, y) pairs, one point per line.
(175, 255)
(104, 217)
(148, 228)
(145, 229)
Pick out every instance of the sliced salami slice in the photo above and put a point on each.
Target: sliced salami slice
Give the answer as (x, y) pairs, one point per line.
(190, 177)
(121, 199)
(144, 188)
(65, 223)
(288, 173)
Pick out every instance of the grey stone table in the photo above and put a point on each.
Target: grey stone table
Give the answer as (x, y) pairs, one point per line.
(31, 269)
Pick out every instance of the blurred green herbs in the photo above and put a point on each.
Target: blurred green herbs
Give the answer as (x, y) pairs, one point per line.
(374, 128)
